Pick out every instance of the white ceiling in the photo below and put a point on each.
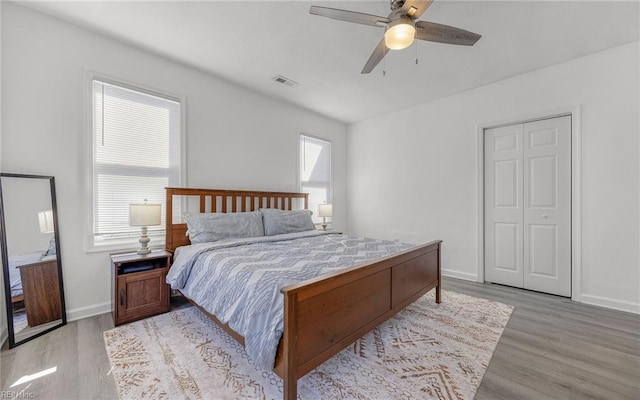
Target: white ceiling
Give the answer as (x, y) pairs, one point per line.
(250, 42)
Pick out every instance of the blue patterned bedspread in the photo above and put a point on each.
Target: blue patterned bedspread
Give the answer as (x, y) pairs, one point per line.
(239, 280)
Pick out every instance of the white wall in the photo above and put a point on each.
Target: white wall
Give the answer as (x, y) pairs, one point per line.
(235, 138)
(413, 174)
(23, 199)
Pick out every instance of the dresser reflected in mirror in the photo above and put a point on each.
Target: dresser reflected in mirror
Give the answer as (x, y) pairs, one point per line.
(31, 259)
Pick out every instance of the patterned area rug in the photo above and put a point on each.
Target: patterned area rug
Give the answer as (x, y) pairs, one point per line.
(427, 351)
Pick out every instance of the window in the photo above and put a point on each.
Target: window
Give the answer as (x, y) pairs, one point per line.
(136, 154)
(315, 172)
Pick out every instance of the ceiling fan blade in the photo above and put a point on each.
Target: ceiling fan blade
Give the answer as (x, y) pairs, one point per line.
(433, 32)
(377, 56)
(415, 8)
(349, 16)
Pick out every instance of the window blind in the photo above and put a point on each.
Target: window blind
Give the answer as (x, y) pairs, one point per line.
(315, 172)
(136, 154)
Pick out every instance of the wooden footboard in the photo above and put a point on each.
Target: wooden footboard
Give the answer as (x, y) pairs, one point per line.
(324, 315)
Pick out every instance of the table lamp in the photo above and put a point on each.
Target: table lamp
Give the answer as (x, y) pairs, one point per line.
(324, 211)
(45, 220)
(144, 215)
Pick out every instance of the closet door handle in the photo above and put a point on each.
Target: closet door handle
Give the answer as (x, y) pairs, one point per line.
(122, 297)
(544, 216)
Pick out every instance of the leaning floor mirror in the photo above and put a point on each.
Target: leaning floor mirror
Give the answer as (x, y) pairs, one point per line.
(32, 268)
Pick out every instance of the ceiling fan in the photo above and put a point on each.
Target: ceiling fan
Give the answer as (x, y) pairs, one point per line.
(401, 28)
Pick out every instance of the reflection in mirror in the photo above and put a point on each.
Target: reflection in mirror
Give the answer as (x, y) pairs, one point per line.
(32, 269)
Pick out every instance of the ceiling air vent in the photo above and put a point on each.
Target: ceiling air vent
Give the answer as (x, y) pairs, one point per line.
(285, 81)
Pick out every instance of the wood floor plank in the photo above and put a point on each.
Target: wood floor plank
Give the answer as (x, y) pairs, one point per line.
(552, 348)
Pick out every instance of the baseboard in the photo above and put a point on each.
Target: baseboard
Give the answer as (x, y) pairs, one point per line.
(451, 273)
(88, 311)
(606, 302)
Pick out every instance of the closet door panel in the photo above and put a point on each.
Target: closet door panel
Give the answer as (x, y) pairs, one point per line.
(503, 205)
(547, 205)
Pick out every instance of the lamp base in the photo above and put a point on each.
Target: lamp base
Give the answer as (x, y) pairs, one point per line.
(144, 241)
(324, 227)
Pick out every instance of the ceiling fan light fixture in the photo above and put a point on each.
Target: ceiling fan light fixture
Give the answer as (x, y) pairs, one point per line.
(399, 34)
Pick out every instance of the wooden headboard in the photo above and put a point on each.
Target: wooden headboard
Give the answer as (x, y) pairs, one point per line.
(223, 201)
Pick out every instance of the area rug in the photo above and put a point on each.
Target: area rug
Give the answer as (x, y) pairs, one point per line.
(427, 351)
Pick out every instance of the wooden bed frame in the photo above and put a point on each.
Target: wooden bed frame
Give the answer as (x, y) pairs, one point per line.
(323, 315)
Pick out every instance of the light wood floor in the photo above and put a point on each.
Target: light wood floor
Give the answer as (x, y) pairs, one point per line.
(552, 348)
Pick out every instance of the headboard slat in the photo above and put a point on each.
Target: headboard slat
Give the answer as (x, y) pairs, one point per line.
(203, 203)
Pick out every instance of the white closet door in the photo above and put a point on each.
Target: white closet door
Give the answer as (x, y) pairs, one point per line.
(503, 205)
(547, 206)
(528, 205)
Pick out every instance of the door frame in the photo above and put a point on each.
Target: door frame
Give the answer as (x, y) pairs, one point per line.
(576, 201)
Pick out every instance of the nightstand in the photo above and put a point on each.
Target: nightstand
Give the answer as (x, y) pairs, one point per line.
(41, 292)
(138, 285)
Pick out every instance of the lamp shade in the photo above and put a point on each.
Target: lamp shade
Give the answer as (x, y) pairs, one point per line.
(325, 210)
(146, 214)
(399, 34)
(45, 220)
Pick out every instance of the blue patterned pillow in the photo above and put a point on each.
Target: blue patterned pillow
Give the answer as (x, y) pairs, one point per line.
(211, 227)
(279, 221)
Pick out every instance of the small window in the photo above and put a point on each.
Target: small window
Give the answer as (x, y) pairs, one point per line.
(315, 172)
(136, 154)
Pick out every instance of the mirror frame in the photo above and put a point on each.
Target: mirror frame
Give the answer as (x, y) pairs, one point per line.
(5, 260)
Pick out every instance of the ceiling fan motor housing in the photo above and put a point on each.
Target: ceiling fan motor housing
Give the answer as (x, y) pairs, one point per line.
(396, 4)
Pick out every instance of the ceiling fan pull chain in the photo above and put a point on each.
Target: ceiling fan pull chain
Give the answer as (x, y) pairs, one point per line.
(415, 43)
(384, 65)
